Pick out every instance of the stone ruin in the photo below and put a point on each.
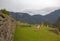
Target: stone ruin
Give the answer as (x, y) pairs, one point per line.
(7, 27)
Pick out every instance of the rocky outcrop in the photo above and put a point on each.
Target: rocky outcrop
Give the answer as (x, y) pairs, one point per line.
(7, 27)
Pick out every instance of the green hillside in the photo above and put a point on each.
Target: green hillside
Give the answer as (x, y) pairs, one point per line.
(31, 34)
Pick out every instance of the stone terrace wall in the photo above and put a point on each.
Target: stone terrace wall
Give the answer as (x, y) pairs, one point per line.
(7, 27)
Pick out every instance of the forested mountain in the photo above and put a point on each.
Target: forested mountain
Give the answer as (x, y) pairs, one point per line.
(36, 19)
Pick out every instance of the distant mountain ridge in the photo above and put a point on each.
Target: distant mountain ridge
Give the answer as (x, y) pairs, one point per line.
(36, 19)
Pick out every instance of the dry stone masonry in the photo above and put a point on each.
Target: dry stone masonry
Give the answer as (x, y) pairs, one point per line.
(7, 27)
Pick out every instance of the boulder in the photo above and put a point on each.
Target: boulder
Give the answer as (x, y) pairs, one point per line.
(7, 27)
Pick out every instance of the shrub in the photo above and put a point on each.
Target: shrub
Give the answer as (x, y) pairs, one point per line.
(5, 11)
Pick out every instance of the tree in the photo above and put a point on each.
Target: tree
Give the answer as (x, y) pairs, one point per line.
(46, 23)
(57, 24)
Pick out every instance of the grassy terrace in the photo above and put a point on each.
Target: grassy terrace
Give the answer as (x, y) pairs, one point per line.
(31, 34)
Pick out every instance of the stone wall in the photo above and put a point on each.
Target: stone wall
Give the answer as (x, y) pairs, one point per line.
(7, 27)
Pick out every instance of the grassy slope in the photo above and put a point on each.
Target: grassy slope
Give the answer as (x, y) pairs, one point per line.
(29, 34)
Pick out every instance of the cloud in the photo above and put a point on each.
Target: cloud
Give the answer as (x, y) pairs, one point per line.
(19, 5)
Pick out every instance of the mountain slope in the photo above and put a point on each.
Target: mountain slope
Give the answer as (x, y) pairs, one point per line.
(23, 17)
(36, 19)
(52, 17)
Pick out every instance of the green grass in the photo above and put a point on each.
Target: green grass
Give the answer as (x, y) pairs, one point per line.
(30, 34)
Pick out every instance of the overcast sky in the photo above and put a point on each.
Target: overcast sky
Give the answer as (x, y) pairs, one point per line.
(19, 5)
